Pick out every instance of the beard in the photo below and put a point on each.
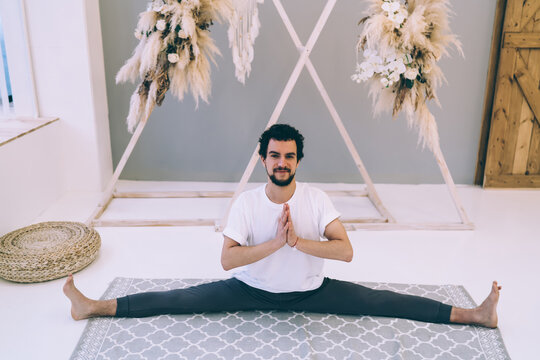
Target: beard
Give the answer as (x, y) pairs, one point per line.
(284, 182)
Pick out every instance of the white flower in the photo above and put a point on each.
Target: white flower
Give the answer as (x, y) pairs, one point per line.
(407, 58)
(367, 68)
(397, 66)
(158, 6)
(372, 58)
(173, 58)
(369, 53)
(357, 78)
(376, 60)
(364, 71)
(387, 69)
(390, 57)
(391, 7)
(365, 77)
(400, 17)
(182, 34)
(395, 12)
(411, 73)
(401, 68)
(161, 25)
(394, 77)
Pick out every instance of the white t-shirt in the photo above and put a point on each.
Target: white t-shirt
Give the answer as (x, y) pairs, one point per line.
(253, 220)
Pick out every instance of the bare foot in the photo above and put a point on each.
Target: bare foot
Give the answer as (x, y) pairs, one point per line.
(487, 312)
(81, 306)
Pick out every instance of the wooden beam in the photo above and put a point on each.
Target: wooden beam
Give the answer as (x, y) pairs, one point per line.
(363, 220)
(527, 85)
(11, 129)
(531, 8)
(445, 172)
(349, 226)
(211, 194)
(533, 161)
(198, 222)
(141, 222)
(172, 194)
(521, 40)
(509, 139)
(524, 136)
(410, 226)
(108, 193)
(99, 210)
(513, 181)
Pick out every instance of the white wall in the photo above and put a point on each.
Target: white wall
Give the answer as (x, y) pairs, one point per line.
(31, 176)
(73, 154)
(70, 80)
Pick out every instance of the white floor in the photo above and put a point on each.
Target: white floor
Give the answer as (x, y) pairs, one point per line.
(505, 246)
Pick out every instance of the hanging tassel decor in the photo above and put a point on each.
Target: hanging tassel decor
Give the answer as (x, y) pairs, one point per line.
(243, 30)
(401, 43)
(174, 51)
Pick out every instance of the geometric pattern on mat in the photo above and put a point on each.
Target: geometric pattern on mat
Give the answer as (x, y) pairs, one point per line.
(285, 335)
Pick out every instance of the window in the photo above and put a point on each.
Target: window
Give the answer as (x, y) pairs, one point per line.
(19, 111)
(17, 86)
(6, 95)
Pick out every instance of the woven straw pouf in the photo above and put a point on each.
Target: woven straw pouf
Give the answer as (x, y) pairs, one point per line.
(47, 251)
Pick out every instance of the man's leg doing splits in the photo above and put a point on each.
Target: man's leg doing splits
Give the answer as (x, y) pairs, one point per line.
(334, 296)
(219, 296)
(346, 298)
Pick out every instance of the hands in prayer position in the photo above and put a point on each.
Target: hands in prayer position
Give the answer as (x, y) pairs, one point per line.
(285, 232)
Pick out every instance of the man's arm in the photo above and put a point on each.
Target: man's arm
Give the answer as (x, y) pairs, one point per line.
(338, 246)
(234, 255)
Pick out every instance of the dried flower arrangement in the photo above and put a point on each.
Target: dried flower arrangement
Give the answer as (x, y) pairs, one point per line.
(174, 52)
(401, 44)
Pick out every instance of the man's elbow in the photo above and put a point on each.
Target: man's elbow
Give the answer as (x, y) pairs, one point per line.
(349, 254)
(226, 264)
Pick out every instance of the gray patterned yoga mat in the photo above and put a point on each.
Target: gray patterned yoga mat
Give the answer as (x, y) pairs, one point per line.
(285, 335)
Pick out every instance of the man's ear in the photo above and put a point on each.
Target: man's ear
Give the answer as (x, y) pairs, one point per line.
(262, 160)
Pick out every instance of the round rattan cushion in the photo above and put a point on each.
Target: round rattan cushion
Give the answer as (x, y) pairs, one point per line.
(47, 251)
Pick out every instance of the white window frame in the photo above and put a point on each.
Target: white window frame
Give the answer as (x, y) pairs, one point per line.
(19, 58)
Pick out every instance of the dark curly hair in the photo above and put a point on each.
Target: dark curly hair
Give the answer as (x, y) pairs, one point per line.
(281, 132)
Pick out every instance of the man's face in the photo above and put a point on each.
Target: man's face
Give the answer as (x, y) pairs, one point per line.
(281, 161)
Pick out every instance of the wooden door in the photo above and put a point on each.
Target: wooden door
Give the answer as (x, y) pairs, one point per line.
(513, 151)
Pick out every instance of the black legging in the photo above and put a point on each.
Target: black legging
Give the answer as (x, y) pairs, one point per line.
(332, 297)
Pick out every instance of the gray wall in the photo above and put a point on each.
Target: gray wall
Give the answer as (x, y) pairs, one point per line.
(215, 141)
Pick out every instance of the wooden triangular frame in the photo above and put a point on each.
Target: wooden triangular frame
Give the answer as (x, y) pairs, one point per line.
(385, 222)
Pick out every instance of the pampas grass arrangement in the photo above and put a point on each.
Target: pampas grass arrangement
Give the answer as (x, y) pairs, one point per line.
(174, 51)
(401, 43)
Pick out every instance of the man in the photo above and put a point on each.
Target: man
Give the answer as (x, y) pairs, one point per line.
(275, 233)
